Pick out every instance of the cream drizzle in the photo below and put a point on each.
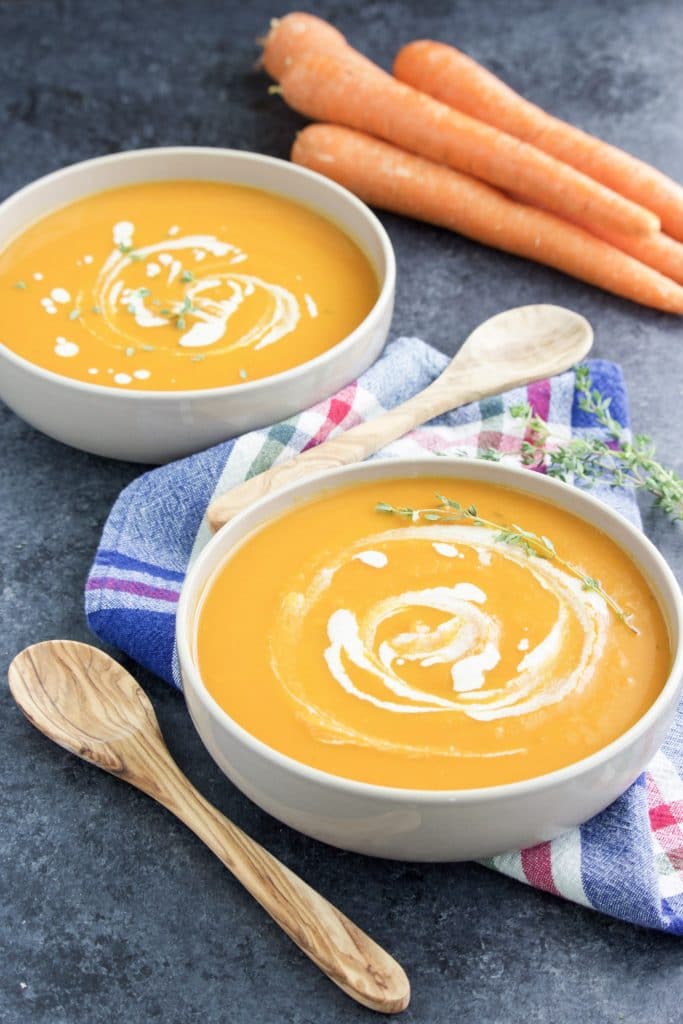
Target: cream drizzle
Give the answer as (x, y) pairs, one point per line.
(66, 348)
(447, 550)
(467, 641)
(215, 298)
(376, 559)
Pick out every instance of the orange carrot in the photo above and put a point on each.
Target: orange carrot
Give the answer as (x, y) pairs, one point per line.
(656, 250)
(296, 33)
(454, 78)
(395, 180)
(328, 87)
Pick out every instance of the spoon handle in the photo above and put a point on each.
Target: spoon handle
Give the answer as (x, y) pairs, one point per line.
(352, 446)
(349, 957)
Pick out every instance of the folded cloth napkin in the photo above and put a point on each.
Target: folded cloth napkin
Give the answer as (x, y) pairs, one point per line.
(627, 861)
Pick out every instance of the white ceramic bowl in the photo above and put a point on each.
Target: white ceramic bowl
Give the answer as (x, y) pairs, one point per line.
(156, 426)
(418, 824)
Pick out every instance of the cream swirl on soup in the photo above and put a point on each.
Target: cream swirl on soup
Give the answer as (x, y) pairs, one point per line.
(208, 303)
(374, 658)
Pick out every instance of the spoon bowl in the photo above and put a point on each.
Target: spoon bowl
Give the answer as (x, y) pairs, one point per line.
(530, 340)
(81, 698)
(512, 348)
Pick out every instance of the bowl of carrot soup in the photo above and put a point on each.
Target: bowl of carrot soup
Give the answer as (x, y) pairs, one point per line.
(160, 301)
(431, 662)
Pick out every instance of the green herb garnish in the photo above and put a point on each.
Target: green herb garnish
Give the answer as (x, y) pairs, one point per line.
(533, 545)
(74, 314)
(128, 250)
(243, 374)
(616, 459)
(187, 276)
(96, 309)
(21, 286)
(186, 307)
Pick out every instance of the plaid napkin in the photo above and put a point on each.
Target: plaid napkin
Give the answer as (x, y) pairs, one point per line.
(627, 861)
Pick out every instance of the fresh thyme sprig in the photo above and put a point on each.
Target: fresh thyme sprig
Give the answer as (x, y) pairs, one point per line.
(531, 544)
(615, 459)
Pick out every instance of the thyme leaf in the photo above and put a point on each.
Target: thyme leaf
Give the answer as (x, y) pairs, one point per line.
(531, 544)
(615, 459)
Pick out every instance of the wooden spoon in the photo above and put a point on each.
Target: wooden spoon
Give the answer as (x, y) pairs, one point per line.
(512, 348)
(86, 702)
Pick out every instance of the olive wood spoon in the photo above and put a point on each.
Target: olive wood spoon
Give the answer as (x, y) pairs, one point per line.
(513, 348)
(86, 702)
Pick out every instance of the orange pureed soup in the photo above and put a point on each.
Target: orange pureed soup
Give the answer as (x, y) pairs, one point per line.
(421, 653)
(173, 285)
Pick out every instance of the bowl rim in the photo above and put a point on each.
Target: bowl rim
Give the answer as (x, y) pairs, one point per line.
(671, 605)
(387, 280)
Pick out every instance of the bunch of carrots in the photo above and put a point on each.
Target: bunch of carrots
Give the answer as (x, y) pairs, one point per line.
(445, 141)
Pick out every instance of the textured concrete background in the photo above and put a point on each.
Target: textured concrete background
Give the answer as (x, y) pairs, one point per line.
(109, 909)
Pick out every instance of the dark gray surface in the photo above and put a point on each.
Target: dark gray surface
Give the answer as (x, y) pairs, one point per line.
(109, 909)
